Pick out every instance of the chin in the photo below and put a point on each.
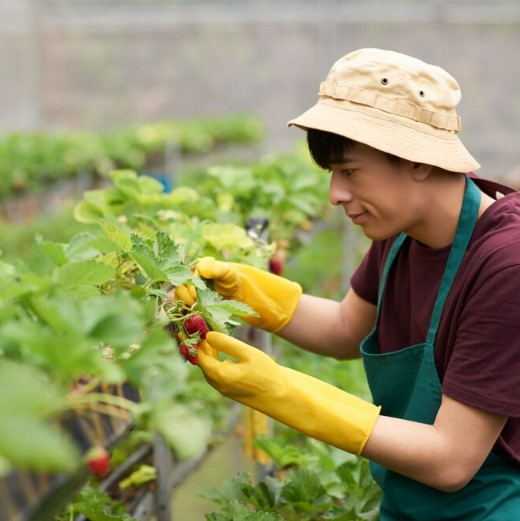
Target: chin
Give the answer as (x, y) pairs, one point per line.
(378, 235)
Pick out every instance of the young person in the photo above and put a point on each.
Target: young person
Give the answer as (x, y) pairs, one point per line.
(432, 308)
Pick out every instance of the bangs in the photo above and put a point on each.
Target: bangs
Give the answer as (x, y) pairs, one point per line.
(326, 148)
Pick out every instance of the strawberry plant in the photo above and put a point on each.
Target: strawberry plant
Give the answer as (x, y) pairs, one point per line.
(31, 160)
(138, 204)
(118, 303)
(100, 311)
(95, 506)
(290, 191)
(312, 481)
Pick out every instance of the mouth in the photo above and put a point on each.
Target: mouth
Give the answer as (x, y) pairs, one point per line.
(358, 218)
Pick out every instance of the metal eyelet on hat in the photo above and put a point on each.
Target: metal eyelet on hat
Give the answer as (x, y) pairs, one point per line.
(384, 81)
(422, 93)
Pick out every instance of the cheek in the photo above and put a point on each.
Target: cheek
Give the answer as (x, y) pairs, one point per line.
(400, 211)
(391, 209)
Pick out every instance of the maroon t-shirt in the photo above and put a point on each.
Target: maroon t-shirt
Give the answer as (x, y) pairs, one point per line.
(477, 349)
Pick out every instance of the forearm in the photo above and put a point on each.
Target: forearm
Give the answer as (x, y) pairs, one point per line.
(445, 455)
(414, 450)
(320, 325)
(317, 326)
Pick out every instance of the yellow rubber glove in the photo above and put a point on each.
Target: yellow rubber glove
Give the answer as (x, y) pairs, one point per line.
(271, 296)
(188, 294)
(300, 401)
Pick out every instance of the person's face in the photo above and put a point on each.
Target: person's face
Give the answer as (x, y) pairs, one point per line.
(376, 193)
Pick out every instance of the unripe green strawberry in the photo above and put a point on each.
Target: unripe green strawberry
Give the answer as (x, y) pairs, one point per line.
(98, 461)
(196, 324)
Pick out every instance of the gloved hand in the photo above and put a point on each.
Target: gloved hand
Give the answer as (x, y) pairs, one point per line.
(271, 296)
(301, 402)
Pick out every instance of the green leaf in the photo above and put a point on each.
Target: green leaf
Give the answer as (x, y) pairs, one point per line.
(121, 175)
(143, 253)
(182, 195)
(116, 234)
(187, 434)
(16, 281)
(236, 511)
(26, 390)
(118, 320)
(225, 236)
(265, 495)
(156, 367)
(282, 453)
(87, 212)
(52, 451)
(121, 325)
(63, 355)
(159, 260)
(85, 246)
(98, 506)
(54, 251)
(304, 489)
(88, 272)
(143, 474)
(27, 400)
(5, 467)
(149, 185)
(218, 312)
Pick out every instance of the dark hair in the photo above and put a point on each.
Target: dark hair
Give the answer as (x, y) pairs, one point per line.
(327, 148)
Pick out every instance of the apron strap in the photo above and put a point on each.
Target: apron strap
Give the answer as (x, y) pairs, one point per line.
(467, 219)
(388, 264)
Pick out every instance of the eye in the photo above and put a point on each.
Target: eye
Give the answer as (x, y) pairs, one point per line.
(347, 172)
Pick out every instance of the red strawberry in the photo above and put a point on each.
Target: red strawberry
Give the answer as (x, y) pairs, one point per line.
(276, 265)
(98, 461)
(193, 359)
(190, 353)
(196, 324)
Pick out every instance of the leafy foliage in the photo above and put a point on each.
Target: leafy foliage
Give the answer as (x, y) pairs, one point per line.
(97, 506)
(100, 310)
(312, 482)
(237, 511)
(30, 160)
(288, 190)
(138, 204)
(97, 309)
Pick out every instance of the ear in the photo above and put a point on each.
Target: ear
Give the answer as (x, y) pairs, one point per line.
(421, 171)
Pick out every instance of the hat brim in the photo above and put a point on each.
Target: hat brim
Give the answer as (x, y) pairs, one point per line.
(391, 134)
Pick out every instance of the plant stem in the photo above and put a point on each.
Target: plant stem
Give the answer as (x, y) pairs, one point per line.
(110, 399)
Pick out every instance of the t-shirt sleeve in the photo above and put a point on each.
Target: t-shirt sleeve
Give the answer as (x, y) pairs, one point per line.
(484, 369)
(365, 279)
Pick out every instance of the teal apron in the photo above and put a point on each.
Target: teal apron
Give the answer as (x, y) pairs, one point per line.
(406, 384)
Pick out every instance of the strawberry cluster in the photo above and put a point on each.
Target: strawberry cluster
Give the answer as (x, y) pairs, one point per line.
(196, 329)
(189, 327)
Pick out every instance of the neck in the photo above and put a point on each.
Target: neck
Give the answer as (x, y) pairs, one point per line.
(443, 198)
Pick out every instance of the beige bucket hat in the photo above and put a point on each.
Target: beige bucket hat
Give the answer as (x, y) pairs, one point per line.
(394, 103)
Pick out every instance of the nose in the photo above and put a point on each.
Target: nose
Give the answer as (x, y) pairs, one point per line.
(338, 189)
